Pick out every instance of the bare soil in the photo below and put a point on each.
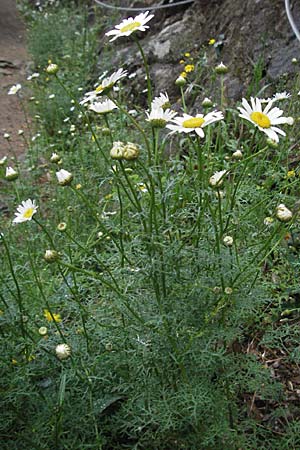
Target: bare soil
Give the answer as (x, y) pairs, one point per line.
(13, 59)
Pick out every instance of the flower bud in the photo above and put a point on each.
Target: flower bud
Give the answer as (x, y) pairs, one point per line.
(63, 351)
(52, 69)
(55, 158)
(237, 155)
(207, 103)
(11, 174)
(105, 131)
(64, 177)
(283, 213)
(117, 150)
(51, 256)
(6, 136)
(43, 331)
(62, 226)
(228, 241)
(3, 160)
(216, 179)
(180, 81)
(221, 69)
(271, 143)
(131, 151)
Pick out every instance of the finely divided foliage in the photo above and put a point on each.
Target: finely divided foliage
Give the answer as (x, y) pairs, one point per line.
(152, 303)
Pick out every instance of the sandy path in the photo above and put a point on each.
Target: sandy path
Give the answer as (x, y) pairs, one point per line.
(13, 58)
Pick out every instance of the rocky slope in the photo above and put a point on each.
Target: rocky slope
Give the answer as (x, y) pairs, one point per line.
(252, 37)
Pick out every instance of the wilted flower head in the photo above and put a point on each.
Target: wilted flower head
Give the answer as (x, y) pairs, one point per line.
(25, 211)
(283, 213)
(162, 101)
(14, 89)
(217, 178)
(106, 84)
(64, 177)
(158, 117)
(281, 96)
(130, 25)
(103, 107)
(265, 119)
(63, 351)
(11, 174)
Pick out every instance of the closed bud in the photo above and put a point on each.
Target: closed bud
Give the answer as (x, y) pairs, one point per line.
(51, 256)
(11, 174)
(63, 351)
(43, 331)
(180, 81)
(131, 151)
(221, 69)
(228, 241)
(62, 226)
(283, 213)
(216, 180)
(207, 103)
(55, 158)
(52, 69)
(117, 150)
(64, 177)
(237, 155)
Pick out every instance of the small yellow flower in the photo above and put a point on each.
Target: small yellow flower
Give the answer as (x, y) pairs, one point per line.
(189, 68)
(182, 61)
(291, 174)
(14, 361)
(211, 41)
(78, 186)
(187, 54)
(183, 74)
(51, 317)
(108, 196)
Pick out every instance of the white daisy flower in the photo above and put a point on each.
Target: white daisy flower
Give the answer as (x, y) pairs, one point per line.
(159, 117)
(25, 211)
(281, 96)
(32, 76)
(64, 177)
(106, 85)
(14, 89)
(103, 107)
(190, 124)
(162, 101)
(130, 25)
(265, 119)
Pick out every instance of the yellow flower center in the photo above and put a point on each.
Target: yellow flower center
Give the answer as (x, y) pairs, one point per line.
(28, 213)
(261, 119)
(130, 27)
(195, 122)
(99, 88)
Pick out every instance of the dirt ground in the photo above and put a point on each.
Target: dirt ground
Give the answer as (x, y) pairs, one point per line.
(13, 60)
